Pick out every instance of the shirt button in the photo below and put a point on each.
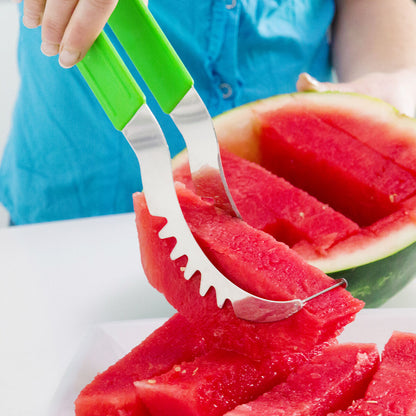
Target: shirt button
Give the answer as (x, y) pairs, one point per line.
(226, 89)
(231, 4)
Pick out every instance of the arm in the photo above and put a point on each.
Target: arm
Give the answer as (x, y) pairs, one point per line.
(373, 36)
(374, 51)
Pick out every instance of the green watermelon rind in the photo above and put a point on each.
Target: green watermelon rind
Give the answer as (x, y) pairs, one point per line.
(386, 267)
(363, 104)
(378, 271)
(378, 281)
(376, 249)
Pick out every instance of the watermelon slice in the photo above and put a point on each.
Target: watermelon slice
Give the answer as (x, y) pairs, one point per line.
(330, 381)
(376, 192)
(173, 370)
(393, 389)
(256, 262)
(367, 408)
(271, 204)
(209, 386)
(351, 177)
(376, 125)
(215, 383)
(112, 392)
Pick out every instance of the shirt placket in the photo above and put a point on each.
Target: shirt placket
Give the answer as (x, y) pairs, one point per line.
(222, 54)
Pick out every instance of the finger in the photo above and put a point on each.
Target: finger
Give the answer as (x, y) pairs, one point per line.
(382, 86)
(86, 23)
(307, 82)
(406, 106)
(56, 17)
(33, 12)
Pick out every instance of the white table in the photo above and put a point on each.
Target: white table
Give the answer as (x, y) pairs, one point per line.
(56, 281)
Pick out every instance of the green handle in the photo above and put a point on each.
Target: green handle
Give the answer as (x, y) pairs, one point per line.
(151, 53)
(111, 82)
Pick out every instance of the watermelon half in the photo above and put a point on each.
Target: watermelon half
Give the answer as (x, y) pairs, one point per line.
(354, 156)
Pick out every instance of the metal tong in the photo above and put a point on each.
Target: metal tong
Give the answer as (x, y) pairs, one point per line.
(172, 86)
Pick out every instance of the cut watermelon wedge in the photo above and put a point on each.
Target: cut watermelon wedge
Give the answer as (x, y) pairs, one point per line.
(393, 388)
(209, 386)
(328, 382)
(367, 408)
(377, 125)
(257, 263)
(215, 383)
(112, 392)
(347, 174)
(271, 204)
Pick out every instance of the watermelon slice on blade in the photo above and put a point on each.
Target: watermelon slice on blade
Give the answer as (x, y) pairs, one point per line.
(257, 263)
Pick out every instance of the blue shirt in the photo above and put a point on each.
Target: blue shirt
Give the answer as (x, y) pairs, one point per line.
(64, 159)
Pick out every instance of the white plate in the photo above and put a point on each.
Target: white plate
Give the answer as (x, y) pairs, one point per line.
(109, 342)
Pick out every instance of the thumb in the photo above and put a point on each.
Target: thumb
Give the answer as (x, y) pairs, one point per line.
(391, 88)
(307, 82)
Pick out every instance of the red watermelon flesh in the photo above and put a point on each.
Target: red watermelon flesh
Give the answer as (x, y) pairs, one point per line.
(366, 408)
(330, 381)
(393, 387)
(209, 386)
(112, 392)
(215, 383)
(257, 263)
(332, 165)
(381, 228)
(271, 204)
(376, 132)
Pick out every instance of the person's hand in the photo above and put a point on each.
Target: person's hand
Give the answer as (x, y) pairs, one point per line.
(396, 88)
(69, 27)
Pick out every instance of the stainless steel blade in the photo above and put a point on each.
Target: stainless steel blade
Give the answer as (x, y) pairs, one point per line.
(195, 123)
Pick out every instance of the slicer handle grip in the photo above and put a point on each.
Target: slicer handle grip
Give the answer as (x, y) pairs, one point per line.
(151, 53)
(111, 82)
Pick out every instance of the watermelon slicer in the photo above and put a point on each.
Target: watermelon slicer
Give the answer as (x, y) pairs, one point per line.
(125, 105)
(172, 85)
